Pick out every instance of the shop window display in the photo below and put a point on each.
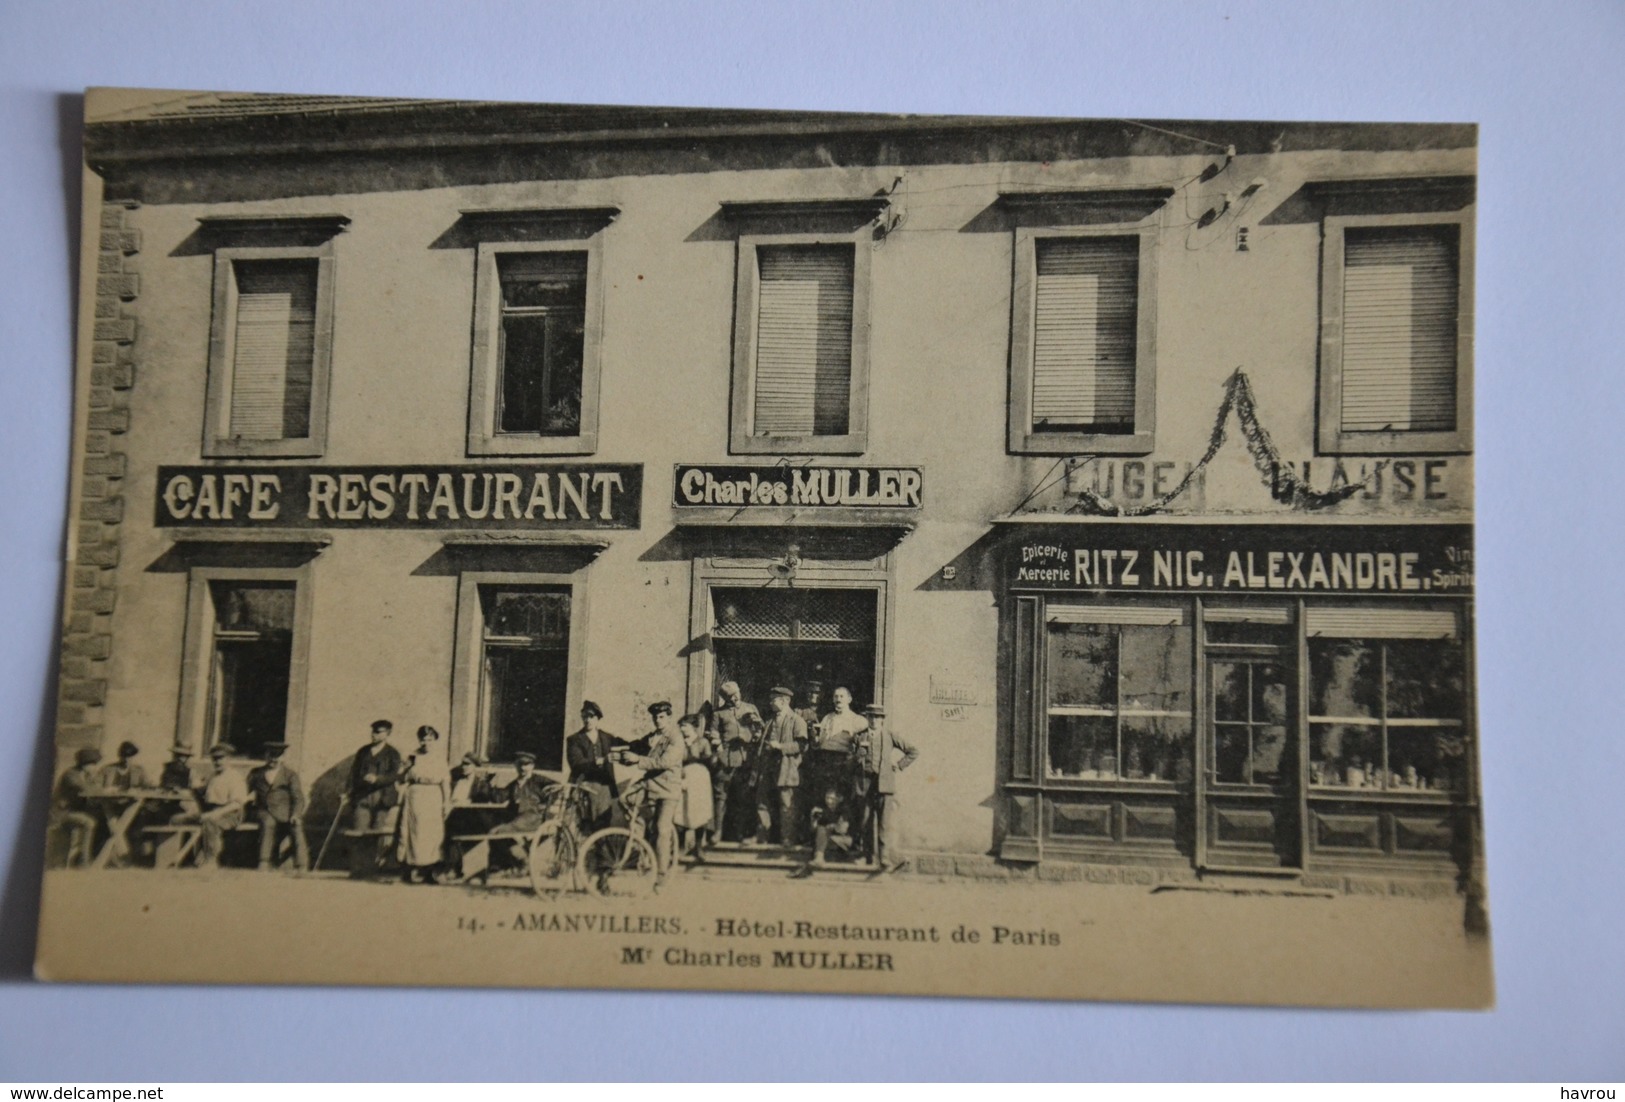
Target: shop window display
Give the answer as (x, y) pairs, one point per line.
(1387, 714)
(1119, 702)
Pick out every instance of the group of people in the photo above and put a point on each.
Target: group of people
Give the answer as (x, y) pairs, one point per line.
(88, 802)
(796, 776)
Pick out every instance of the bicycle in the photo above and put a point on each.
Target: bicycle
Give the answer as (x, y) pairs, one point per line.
(552, 851)
(618, 860)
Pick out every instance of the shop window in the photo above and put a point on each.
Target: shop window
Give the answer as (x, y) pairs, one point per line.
(801, 347)
(525, 652)
(1118, 695)
(1396, 319)
(270, 351)
(251, 663)
(536, 376)
(1387, 714)
(1083, 356)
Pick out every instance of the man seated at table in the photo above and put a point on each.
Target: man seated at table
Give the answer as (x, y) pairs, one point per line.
(221, 806)
(177, 771)
(123, 774)
(527, 801)
(279, 805)
(71, 808)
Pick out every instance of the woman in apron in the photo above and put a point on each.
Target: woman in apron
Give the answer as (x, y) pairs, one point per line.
(694, 810)
(427, 784)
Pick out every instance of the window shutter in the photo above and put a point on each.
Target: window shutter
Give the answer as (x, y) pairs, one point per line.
(803, 340)
(1115, 614)
(1085, 333)
(275, 349)
(1399, 329)
(1381, 623)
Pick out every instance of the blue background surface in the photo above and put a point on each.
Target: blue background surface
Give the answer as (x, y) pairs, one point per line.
(1545, 82)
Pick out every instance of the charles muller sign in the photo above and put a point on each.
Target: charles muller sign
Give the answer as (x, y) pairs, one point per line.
(521, 497)
(782, 486)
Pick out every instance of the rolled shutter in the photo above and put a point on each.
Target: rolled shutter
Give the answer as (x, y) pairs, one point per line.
(1115, 614)
(1400, 287)
(1381, 623)
(274, 349)
(1085, 333)
(803, 340)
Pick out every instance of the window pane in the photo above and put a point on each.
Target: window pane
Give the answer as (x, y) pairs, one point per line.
(1083, 747)
(542, 341)
(1083, 665)
(1345, 678)
(1271, 761)
(543, 615)
(1230, 749)
(1231, 691)
(1085, 334)
(1345, 755)
(1269, 693)
(1156, 668)
(1157, 748)
(274, 349)
(803, 340)
(1426, 680)
(263, 608)
(1399, 328)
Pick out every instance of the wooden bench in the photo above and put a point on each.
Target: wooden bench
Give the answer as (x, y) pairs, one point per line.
(367, 850)
(476, 848)
(177, 841)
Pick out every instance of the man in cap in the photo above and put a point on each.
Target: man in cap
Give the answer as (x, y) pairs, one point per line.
(71, 808)
(662, 765)
(732, 730)
(526, 797)
(122, 776)
(376, 770)
(471, 781)
(279, 805)
(587, 754)
(778, 770)
(177, 771)
(881, 754)
(221, 805)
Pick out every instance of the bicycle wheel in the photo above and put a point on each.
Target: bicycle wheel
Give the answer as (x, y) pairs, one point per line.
(614, 861)
(553, 862)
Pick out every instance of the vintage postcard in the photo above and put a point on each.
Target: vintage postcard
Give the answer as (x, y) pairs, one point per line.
(548, 545)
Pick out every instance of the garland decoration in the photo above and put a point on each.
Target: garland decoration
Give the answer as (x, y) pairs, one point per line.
(1267, 460)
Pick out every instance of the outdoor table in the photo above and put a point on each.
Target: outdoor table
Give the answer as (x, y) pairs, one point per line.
(119, 824)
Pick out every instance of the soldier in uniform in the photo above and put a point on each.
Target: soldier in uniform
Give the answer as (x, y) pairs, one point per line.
(376, 770)
(778, 771)
(279, 805)
(661, 759)
(733, 731)
(881, 754)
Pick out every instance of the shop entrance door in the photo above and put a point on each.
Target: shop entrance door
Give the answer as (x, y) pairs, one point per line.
(1249, 795)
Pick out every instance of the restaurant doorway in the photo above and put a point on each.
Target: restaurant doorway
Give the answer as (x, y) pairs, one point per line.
(793, 637)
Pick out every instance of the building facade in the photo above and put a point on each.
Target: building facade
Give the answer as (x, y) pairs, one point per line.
(1128, 466)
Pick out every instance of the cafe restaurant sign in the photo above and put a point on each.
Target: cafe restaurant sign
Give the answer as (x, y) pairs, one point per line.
(1241, 558)
(744, 486)
(520, 497)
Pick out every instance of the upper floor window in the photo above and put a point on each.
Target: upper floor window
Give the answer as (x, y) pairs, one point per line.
(537, 330)
(1083, 310)
(801, 336)
(1396, 318)
(271, 334)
